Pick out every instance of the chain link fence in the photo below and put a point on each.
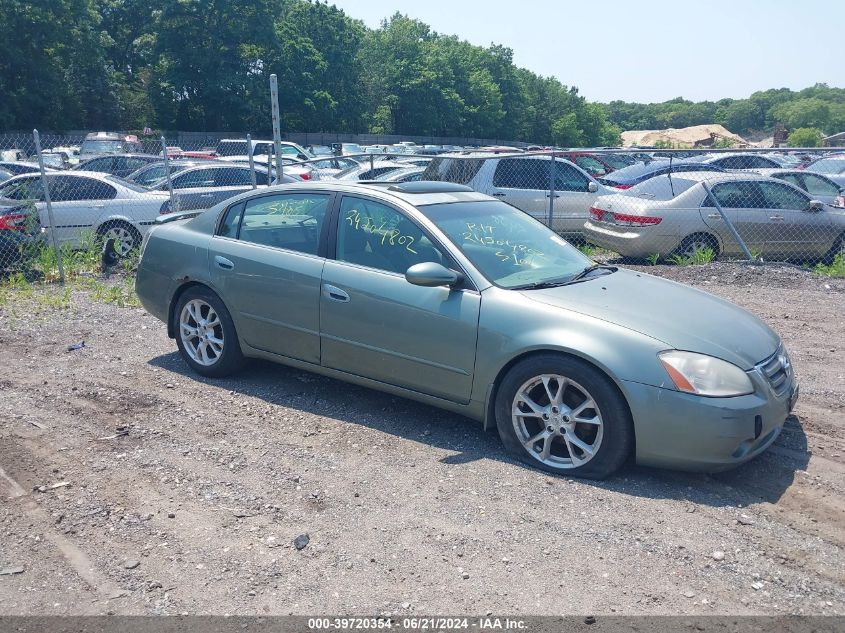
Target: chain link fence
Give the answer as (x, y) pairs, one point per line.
(682, 207)
(82, 195)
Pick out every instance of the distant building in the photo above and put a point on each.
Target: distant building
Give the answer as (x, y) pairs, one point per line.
(834, 140)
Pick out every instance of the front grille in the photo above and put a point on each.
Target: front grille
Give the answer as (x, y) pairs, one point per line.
(777, 370)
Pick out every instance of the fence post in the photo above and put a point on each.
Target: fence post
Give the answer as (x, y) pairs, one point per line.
(50, 219)
(277, 134)
(372, 160)
(725, 219)
(552, 194)
(174, 202)
(252, 161)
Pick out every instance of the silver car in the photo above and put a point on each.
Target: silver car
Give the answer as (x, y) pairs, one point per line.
(674, 215)
(525, 182)
(819, 186)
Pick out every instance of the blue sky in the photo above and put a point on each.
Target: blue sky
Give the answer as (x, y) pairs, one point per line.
(651, 50)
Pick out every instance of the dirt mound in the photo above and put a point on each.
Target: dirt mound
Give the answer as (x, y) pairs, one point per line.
(694, 136)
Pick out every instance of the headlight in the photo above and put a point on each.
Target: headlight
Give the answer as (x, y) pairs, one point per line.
(705, 375)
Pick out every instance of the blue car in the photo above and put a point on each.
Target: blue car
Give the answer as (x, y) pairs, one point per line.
(627, 177)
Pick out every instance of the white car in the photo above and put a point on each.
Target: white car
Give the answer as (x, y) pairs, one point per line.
(108, 206)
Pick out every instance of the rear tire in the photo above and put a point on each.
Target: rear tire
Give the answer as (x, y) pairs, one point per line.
(696, 242)
(562, 415)
(126, 237)
(838, 248)
(205, 333)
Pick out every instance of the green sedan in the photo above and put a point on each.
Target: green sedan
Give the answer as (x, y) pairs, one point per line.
(433, 292)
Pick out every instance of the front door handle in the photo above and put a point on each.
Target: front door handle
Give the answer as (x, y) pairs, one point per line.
(498, 194)
(98, 206)
(335, 294)
(776, 218)
(223, 263)
(557, 195)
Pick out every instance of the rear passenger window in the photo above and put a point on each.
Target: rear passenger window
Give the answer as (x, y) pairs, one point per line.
(293, 221)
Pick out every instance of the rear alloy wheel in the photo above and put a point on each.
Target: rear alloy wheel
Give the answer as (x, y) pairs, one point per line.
(205, 334)
(562, 415)
(126, 237)
(692, 245)
(837, 250)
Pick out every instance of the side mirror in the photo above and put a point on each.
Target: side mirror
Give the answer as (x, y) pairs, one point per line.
(592, 187)
(816, 205)
(432, 275)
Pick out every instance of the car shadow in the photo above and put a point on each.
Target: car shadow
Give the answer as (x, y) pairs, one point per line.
(764, 479)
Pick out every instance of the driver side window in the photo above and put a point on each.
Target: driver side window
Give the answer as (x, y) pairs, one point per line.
(375, 235)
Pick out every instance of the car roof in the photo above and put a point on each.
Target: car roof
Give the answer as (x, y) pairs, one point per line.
(420, 193)
(124, 155)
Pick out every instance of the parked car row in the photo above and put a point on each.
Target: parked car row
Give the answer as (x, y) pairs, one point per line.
(563, 191)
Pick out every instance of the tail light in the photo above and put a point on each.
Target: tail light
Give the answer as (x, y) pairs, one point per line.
(13, 222)
(165, 208)
(622, 219)
(839, 201)
(617, 186)
(306, 175)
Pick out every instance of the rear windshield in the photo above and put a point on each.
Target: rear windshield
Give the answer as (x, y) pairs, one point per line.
(456, 170)
(232, 148)
(828, 166)
(663, 187)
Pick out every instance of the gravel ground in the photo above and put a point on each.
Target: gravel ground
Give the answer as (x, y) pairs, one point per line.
(186, 495)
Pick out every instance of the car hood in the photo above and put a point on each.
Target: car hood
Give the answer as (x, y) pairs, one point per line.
(681, 317)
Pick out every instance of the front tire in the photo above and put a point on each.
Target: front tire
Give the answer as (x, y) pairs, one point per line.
(205, 334)
(562, 415)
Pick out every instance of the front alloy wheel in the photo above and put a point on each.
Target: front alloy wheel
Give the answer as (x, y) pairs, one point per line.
(557, 421)
(563, 415)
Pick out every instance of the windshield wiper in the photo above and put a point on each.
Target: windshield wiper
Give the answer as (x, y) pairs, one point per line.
(555, 283)
(539, 285)
(590, 269)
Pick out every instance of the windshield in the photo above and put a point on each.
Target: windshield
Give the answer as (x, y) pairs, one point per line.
(618, 161)
(101, 147)
(509, 247)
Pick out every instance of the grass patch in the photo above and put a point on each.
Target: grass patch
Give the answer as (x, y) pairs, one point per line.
(835, 269)
(39, 270)
(698, 258)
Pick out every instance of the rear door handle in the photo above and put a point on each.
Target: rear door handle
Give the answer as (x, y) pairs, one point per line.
(557, 195)
(206, 195)
(498, 194)
(223, 263)
(98, 206)
(335, 294)
(714, 216)
(776, 218)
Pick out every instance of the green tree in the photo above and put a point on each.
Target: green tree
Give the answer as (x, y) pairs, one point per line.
(805, 137)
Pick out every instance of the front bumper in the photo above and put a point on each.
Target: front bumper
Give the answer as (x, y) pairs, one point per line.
(688, 432)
